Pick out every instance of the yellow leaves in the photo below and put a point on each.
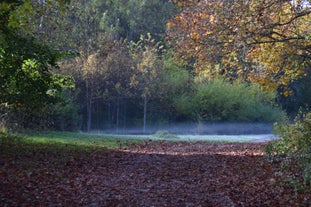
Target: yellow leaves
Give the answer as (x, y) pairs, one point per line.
(268, 37)
(179, 4)
(212, 20)
(195, 35)
(287, 93)
(265, 81)
(208, 33)
(170, 25)
(280, 61)
(134, 81)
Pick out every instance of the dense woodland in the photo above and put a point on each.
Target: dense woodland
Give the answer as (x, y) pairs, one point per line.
(115, 64)
(109, 65)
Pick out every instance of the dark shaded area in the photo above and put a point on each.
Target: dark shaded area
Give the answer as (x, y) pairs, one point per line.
(300, 99)
(156, 174)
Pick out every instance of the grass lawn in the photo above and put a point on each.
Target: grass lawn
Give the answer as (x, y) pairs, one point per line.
(62, 144)
(59, 146)
(80, 139)
(110, 141)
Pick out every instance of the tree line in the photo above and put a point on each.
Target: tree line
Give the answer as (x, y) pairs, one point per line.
(97, 65)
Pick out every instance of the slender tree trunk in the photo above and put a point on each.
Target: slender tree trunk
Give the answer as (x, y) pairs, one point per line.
(124, 115)
(109, 115)
(118, 114)
(88, 108)
(145, 114)
(42, 2)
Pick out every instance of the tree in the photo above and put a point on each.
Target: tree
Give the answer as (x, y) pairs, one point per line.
(118, 70)
(150, 17)
(84, 37)
(132, 18)
(261, 41)
(148, 75)
(28, 76)
(99, 32)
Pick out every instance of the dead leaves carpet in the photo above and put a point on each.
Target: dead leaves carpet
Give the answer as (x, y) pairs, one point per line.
(153, 174)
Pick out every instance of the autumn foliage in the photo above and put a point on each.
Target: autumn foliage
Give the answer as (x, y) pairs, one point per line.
(260, 41)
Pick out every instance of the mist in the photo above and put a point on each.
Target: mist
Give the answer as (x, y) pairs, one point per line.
(224, 128)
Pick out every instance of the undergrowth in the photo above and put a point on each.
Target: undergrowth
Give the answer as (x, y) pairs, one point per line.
(293, 151)
(163, 134)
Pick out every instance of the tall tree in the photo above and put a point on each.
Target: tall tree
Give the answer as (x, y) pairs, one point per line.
(28, 75)
(132, 18)
(88, 40)
(118, 69)
(263, 41)
(147, 79)
(97, 30)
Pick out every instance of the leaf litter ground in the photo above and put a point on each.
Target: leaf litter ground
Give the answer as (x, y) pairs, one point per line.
(152, 174)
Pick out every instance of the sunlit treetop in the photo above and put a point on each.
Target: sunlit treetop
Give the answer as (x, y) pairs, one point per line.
(257, 40)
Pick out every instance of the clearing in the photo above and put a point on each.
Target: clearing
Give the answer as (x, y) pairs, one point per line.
(155, 173)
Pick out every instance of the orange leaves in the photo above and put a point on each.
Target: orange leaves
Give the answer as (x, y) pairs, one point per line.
(273, 35)
(154, 174)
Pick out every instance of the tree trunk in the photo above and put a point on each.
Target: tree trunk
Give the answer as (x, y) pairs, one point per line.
(42, 2)
(124, 115)
(118, 114)
(109, 122)
(145, 114)
(88, 108)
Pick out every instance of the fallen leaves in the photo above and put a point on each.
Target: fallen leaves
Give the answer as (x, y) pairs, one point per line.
(154, 174)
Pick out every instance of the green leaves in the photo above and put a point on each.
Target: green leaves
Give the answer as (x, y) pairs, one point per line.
(28, 76)
(294, 148)
(29, 68)
(26, 72)
(220, 100)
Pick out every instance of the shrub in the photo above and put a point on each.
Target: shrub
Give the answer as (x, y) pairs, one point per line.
(293, 149)
(163, 134)
(64, 115)
(7, 137)
(220, 100)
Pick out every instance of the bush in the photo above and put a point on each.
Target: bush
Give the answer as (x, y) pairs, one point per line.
(220, 100)
(7, 137)
(163, 134)
(293, 149)
(64, 115)
(54, 116)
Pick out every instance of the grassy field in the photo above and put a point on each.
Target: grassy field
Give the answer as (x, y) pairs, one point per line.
(110, 141)
(59, 144)
(80, 139)
(76, 143)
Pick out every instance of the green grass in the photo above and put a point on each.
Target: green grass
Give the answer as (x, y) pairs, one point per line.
(30, 148)
(79, 139)
(52, 142)
(85, 141)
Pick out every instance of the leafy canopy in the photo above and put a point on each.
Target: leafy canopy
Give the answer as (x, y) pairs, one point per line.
(261, 41)
(27, 77)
